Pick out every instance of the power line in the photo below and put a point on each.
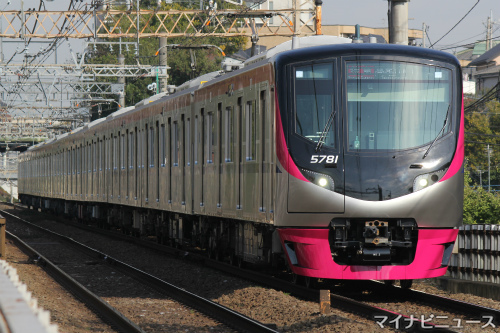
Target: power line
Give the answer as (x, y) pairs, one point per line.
(483, 143)
(455, 24)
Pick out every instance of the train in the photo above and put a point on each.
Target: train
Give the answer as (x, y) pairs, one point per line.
(336, 159)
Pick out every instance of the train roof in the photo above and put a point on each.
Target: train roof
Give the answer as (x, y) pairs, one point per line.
(298, 46)
(298, 43)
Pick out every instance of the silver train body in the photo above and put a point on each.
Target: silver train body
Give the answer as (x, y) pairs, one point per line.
(257, 165)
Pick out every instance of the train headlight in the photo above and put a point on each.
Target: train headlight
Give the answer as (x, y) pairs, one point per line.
(322, 182)
(427, 180)
(319, 179)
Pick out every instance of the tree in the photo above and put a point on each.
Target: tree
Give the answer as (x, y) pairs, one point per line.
(179, 60)
(482, 127)
(480, 206)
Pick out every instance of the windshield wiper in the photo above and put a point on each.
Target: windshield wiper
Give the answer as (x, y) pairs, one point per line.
(325, 130)
(437, 136)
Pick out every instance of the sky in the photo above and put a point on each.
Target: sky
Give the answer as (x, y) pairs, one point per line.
(439, 15)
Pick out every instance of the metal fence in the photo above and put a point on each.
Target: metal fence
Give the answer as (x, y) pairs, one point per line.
(476, 256)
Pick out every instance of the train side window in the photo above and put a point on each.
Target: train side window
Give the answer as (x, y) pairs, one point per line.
(196, 140)
(187, 140)
(131, 150)
(163, 151)
(95, 155)
(250, 137)
(229, 134)
(175, 142)
(139, 149)
(151, 147)
(78, 160)
(142, 147)
(89, 157)
(122, 151)
(100, 155)
(115, 152)
(210, 136)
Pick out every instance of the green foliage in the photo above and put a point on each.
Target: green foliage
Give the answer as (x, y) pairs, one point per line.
(480, 206)
(482, 127)
(179, 60)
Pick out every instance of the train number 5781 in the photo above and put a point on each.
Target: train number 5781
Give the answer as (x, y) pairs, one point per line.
(324, 158)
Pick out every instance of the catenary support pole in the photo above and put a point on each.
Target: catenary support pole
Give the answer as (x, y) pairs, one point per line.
(398, 22)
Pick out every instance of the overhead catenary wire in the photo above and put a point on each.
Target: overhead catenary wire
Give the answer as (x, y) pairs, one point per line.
(30, 66)
(470, 10)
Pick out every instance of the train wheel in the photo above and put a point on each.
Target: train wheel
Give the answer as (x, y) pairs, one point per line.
(389, 282)
(232, 259)
(219, 256)
(405, 284)
(310, 282)
(296, 279)
(212, 246)
(240, 262)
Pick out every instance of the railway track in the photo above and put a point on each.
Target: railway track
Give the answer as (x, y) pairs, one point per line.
(220, 313)
(382, 317)
(100, 307)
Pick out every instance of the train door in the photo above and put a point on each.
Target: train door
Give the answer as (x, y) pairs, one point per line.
(264, 181)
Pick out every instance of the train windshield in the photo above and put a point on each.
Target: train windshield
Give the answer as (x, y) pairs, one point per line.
(314, 93)
(396, 105)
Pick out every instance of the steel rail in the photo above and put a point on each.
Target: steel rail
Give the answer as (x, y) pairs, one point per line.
(95, 303)
(219, 312)
(394, 319)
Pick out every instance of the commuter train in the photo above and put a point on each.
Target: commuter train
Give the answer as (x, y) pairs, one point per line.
(342, 160)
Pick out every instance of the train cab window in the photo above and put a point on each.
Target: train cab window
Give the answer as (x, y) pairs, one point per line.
(395, 105)
(229, 135)
(315, 116)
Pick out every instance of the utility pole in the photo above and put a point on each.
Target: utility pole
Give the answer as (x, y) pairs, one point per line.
(488, 33)
(121, 80)
(319, 4)
(398, 21)
(163, 64)
(480, 177)
(488, 150)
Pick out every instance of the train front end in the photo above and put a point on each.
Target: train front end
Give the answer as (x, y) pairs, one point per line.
(370, 151)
